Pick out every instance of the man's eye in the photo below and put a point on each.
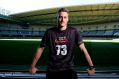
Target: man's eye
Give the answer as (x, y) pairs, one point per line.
(65, 17)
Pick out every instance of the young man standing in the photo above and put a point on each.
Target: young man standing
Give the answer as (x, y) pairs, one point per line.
(61, 41)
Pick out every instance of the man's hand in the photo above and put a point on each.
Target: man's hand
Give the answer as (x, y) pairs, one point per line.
(91, 72)
(33, 70)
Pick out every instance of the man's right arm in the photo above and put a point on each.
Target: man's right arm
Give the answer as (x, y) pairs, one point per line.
(38, 54)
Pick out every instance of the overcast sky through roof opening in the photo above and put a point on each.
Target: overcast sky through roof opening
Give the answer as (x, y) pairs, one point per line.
(18, 6)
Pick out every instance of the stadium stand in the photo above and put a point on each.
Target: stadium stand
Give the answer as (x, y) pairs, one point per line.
(100, 32)
(85, 18)
(108, 33)
(116, 32)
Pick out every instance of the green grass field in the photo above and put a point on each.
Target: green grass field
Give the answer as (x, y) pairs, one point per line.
(21, 52)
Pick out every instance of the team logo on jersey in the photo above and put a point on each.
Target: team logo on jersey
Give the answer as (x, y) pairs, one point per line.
(61, 40)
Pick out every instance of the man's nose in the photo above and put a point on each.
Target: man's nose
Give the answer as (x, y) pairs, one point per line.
(62, 19)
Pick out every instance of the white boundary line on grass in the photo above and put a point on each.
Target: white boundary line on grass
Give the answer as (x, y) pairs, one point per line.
(117, 41)
(22, 39)
(41, 39)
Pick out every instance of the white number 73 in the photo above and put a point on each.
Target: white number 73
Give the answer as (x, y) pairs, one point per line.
(63, 51)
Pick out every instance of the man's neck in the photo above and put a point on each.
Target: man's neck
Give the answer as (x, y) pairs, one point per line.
(62, 28)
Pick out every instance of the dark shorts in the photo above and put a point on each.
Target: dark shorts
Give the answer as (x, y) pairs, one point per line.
(66, 74)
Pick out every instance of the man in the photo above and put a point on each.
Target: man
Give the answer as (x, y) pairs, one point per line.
(61, 41)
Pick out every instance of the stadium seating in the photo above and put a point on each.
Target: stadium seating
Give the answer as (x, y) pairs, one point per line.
(116, 32)
(13, 30)
(100, 33)
(108, 33)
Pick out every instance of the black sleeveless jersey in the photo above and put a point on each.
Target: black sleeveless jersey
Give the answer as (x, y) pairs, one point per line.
(61, 46)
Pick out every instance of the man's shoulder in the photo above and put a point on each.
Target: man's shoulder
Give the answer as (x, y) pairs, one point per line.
(72, 28)
(51, 29)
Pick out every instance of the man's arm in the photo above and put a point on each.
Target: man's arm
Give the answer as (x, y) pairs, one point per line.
(91, 70)
(33, 69)
(87, 56)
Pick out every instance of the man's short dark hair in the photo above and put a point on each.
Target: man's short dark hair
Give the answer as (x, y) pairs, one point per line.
(62, 10)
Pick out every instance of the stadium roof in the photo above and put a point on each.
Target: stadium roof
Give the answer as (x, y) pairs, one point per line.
(85, 14)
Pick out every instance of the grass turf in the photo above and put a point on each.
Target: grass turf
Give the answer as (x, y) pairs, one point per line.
(21, 52)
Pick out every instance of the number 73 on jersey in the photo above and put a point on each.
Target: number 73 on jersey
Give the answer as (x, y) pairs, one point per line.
(61, 49)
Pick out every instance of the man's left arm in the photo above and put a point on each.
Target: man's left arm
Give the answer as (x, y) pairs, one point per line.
(91, 69)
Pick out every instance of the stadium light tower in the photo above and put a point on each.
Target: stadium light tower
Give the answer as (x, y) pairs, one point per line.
(4, 11)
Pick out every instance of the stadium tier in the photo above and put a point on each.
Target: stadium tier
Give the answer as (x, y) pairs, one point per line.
(99, 20)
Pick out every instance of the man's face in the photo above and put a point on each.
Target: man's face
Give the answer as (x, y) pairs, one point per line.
(63, 19)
